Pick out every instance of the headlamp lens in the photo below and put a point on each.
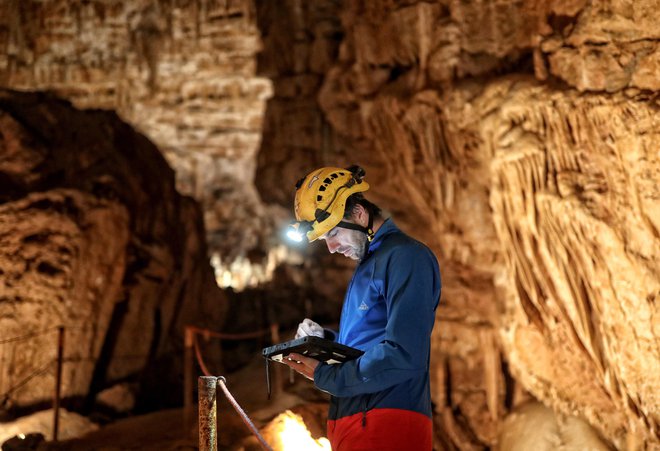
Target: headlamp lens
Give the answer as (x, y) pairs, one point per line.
(298, 231)
(294, 235)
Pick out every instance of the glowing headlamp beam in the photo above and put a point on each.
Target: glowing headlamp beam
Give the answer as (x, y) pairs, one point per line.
(294, 235)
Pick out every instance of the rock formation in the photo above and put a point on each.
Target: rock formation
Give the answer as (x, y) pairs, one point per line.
(518, 139)
(183, 75)
(95, 238)
(534, 426)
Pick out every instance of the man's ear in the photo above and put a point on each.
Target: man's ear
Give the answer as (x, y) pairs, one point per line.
(360, 215)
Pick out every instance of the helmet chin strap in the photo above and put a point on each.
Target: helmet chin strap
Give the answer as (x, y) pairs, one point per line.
(366, 230)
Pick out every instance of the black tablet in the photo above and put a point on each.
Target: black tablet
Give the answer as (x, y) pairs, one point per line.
(317, 348)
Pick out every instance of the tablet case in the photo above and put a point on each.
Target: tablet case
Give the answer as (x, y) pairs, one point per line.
(317, 348)
(327, 351)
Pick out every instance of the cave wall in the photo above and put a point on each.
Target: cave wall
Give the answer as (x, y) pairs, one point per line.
(94, 237)
(300, 43)
(519, 140)
(183, 74)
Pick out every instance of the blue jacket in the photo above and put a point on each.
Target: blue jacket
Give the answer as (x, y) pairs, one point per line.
(388, 312)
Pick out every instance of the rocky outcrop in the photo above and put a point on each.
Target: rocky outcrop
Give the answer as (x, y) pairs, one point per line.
(183, 74)
(540, 201)
(602, 46)
(300, 44)
(534, 426)
(94, 237)
(71, 425)
(573, 195)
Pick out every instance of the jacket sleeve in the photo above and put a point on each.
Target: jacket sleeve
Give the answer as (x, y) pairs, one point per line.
(411, 289)
(329, 334)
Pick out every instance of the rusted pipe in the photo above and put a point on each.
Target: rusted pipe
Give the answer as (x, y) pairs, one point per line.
(207, 413)
(58, 381)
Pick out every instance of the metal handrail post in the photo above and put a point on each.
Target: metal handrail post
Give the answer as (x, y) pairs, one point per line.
(207, 387)
(58, 381)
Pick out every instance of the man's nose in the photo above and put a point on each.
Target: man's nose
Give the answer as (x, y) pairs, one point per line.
(332, 246)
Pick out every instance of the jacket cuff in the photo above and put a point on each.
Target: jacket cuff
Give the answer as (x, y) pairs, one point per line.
(329, 334)
(318, 370)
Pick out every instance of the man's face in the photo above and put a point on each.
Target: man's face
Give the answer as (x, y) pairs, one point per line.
(350, 243)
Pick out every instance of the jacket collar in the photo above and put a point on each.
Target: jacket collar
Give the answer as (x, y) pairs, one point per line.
(387, 228)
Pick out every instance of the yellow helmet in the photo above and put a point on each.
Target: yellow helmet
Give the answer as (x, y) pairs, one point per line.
(321, 199)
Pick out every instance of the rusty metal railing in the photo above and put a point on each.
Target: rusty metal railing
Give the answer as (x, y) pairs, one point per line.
(207, 397)
(4, 397)
(192, 352)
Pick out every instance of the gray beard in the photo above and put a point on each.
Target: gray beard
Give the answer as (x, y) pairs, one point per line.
(362, 243)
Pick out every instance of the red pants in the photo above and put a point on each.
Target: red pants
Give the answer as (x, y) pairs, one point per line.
(384, 430)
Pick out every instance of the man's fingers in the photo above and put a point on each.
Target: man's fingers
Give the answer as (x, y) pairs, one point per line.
(297, 359)
(293, 364)
(304, 365)
(300, 358)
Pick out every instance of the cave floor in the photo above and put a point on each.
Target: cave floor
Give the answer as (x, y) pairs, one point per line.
(164, 430)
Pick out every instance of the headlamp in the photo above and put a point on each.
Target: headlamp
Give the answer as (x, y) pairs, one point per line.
(294, 235)
(297, 231)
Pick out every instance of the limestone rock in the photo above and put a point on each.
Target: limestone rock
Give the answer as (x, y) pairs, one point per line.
(542, 210)
(605, 46)
(294, 130)
(183, 74)
(120, 398)
(71, 425)
(575, 203)
(533, 426)
(63, 260)
(94, 237)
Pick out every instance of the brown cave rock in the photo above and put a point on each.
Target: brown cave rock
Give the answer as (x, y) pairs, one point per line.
(95, 238)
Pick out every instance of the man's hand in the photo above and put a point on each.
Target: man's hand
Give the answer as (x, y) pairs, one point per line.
(303, 365)
(309, 328)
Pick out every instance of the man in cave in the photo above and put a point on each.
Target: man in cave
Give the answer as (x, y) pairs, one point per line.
(381, 400)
